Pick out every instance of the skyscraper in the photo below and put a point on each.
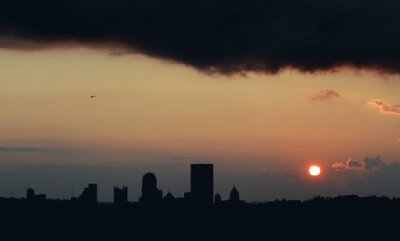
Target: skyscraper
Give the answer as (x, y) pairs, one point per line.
(202, 183)
(30, 194)
(150, 192)
(121, 196)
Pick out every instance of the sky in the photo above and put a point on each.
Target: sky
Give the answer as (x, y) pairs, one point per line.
(262, 100)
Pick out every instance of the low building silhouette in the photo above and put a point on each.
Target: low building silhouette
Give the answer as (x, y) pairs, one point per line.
(217, 199)
(32, 197)
(169, 197)
(150, 193)
(120, 196)
(187, 196)
(89, 195)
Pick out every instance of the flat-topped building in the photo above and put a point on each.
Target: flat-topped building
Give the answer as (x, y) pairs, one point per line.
(202, 183)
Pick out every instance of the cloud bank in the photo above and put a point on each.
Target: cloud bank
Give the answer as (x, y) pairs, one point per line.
(370, 176)
(217, 36)
(366, 166)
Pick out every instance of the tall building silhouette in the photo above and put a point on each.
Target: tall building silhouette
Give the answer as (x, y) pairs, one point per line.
(89, 195)
(121, 196)
(234, 195)
(202, 183)
(150, 193)
(30, 194)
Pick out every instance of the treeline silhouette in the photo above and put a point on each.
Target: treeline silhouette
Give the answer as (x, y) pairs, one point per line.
(336, 217)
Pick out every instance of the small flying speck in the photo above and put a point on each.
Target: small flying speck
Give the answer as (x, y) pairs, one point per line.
(92, 96)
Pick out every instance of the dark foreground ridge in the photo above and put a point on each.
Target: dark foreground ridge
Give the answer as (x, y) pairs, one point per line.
(199, 215)
(343, 216)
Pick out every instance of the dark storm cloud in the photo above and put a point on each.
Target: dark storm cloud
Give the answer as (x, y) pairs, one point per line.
(224, 36)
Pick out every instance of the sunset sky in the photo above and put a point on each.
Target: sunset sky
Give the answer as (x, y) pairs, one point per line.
(261, 125)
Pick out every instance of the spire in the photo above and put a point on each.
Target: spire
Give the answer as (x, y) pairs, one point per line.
(234, 195)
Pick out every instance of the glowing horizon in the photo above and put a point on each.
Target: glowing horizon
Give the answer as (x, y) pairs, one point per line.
(149, 112)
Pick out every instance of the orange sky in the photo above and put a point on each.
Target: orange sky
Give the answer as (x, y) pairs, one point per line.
(150, 112)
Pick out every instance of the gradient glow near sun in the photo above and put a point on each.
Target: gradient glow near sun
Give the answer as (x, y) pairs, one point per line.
(314, 170)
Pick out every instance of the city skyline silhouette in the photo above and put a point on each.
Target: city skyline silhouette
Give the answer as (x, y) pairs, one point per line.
(72, 188)
(201, 191)
(154, 215)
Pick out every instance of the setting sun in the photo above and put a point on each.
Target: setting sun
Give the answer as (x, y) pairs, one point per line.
(314, 170)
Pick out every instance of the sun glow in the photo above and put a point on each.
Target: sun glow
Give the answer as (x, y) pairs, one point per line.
(314, 170)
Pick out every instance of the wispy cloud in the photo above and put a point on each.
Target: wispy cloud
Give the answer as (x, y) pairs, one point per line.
(326, 94)
(29, 149)
(385, 107)
(289, 175)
